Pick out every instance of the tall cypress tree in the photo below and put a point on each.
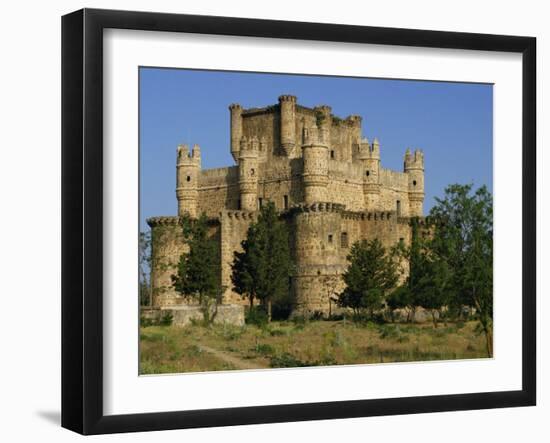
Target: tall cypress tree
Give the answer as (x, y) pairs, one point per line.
(198, 272)
(262, 270)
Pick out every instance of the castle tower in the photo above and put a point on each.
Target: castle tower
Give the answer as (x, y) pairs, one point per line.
(369, 156)
(287, 104)
(315, 173)
(354, 122)
(317, 233)
(324, 123)
(248, 173)
(236, 123)
(414, 168)
(187, 180)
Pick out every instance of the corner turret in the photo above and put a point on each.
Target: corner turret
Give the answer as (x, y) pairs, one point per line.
(188, 168)
(414, 168)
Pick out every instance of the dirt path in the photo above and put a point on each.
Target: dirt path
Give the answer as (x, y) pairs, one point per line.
(231, 359)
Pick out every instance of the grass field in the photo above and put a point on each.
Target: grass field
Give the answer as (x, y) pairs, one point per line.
(169, 349)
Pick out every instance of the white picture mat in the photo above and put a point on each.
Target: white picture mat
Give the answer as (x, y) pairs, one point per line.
(126, 392)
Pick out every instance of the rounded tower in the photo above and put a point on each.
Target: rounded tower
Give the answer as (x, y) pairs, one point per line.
(315, 173)
(287, 104)
(236, 124)
(323, 116)
(248, 173)
(414, 168)
(369, 156)
(317, 249)
(187, 180)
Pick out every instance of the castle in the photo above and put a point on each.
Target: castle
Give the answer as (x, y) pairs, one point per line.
(322, 175)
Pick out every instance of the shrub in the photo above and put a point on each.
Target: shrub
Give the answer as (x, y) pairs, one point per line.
(263, 349)
(256, 316)
(166, 319)
(286, 360)
(145, 322)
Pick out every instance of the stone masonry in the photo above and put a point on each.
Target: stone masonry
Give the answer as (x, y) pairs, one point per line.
(323, 176)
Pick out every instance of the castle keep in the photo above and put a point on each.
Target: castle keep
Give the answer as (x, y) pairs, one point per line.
(321, 174)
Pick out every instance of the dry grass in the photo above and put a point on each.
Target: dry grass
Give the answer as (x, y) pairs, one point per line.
(167, 349)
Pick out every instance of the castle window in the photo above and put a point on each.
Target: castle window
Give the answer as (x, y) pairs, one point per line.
(332, 153)
(260, 201)
(239, 204)
(252, 172)
(285, 201)
(188, 178)
(368, 173)
(344, 241)
(398, 208)
(330, 238)
(414, 182)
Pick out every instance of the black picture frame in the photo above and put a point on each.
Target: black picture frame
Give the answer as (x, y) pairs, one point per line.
(82, 219)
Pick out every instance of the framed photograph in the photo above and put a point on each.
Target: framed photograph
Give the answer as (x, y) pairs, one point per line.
(269, 221)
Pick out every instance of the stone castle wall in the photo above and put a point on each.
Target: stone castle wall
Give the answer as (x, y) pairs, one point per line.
(324, 178)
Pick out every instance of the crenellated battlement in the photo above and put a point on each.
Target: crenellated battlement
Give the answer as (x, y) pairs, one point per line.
(185, 156)
(369, 151)
(317, 207)
(287, 98)
(354, 120)
(239, 215)
(414, 160)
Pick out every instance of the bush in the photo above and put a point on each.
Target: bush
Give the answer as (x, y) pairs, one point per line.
(256, 316)
(166, 319)
(263, 349)
(286, 360)
(145, 322)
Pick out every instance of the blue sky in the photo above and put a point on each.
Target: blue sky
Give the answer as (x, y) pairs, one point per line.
(451, 122)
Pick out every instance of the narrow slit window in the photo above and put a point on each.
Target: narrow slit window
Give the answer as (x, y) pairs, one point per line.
(285, 201)
(398, 207)
(344, 241)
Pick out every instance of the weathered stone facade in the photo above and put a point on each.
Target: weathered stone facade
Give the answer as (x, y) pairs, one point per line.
(322, 175)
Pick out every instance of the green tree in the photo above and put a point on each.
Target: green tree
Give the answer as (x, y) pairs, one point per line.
(244, 268)
(371, 273)
(144, 247)
(432, 288)
(400, 298)
(406, 296)
(463, 235)
(262, 270)
(198, 271)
